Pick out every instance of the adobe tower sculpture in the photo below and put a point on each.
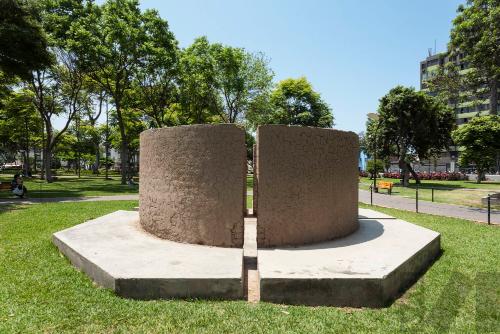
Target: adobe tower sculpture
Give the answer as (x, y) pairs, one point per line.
(192, 184)
(306, 182)
(305, 242)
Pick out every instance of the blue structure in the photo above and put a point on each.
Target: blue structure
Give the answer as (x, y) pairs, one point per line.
(362, 160)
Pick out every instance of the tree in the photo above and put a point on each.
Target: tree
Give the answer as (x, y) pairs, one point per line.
(133, 120)
(411, 125)
(476, 33)
(155, 91)
(447, 84)
(198, 95)
(480, 141)
(20, 125)
(371, 166)
(292, 102)
(96, 97)
(219, 83)
(24, 43)
(241, 77)
(57, 89)
(57, 92)
(110, 42)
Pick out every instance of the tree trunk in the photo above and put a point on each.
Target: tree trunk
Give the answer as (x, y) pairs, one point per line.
(97, 158)
(27, 149)
(124, 157)
(415, 175)
(47, 154)
(404, 168)
(498, 162)
(34, 161)
(42, 162)
(26, 162)
(494, 95)
(480, 174)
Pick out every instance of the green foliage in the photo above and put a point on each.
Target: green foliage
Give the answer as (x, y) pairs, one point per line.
(480, 141)
(476, 33)
(292, 102)
(20, 124)
(155, 89)
(119, 47)
(447, 84)
(134, 125)
(219, 83)
(412, 124)
(249, 142)
(241, 77)
(22, 39)
(199, 99)
(370, 141)
(370, 166)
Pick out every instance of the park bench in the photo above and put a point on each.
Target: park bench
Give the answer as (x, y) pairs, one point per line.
(385, 185)
(5, 186)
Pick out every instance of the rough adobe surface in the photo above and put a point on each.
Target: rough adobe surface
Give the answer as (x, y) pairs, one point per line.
(307, 184)
(192, 184)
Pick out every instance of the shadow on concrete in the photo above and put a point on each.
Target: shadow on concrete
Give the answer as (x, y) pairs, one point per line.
(369, 229)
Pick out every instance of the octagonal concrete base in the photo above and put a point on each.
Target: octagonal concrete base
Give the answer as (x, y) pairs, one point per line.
(368, 268)
(117, 254)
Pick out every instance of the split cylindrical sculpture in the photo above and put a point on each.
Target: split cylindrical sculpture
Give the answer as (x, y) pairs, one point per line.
(307, 184)
(193, 184)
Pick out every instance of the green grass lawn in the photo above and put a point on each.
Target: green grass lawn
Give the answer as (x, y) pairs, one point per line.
(72, 186)
(452, 192)
(40, 292)
(249, 182)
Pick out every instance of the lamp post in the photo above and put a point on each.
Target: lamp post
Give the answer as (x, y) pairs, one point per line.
(375, 117)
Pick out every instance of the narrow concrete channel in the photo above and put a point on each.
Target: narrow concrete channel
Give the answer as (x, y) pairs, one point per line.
(250, 265)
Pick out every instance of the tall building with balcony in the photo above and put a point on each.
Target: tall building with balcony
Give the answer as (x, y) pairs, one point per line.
(470, 105)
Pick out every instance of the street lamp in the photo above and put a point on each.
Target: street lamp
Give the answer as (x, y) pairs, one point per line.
(375, 117)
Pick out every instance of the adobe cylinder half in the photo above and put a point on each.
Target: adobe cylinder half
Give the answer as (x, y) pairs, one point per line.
(306, 185)
(193, 184)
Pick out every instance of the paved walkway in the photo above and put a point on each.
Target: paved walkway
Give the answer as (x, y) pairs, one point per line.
(396, 202)
(130, 197)
(441, 209)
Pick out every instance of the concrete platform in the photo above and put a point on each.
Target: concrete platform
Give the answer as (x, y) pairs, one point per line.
(372, 214)
(369, 268)
(117, 254)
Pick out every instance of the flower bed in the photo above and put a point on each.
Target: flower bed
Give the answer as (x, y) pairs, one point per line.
(442, 176)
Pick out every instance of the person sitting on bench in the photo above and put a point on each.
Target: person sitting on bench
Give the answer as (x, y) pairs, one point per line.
(18, 187)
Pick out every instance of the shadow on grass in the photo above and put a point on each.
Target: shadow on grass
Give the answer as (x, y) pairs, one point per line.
(74, 187)
(8, 207)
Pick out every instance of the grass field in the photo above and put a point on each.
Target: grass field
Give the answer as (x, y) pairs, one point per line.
(452, 192)
(40, 292)
(72, 186)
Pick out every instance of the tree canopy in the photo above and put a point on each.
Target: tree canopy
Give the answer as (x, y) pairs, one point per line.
(84, 55)
(479, 140)
(476, 33)
(411, 125)
(292, 102)
(24, 42)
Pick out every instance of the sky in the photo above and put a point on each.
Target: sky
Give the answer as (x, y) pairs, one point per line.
(352, 51)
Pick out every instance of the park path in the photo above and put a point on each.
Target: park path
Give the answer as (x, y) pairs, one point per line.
(433, 208)
(395, 202)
